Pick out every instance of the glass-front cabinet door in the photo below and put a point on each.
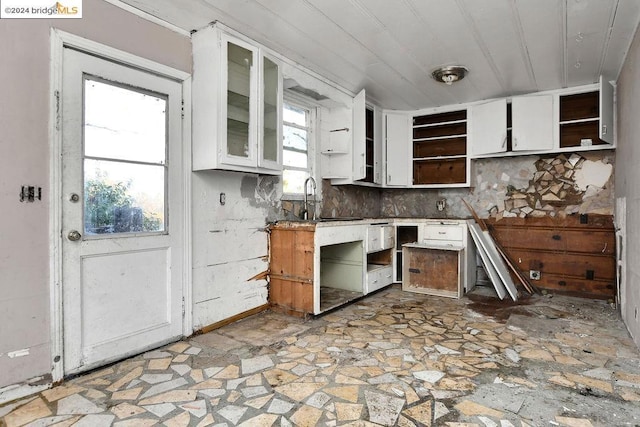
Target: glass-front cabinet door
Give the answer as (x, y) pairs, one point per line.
(270, 146)
(240, 102)
(237, 104)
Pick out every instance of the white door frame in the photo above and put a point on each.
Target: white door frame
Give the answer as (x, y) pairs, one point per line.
(59, 40)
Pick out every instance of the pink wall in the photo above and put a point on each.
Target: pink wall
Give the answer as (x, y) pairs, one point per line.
(24, 149)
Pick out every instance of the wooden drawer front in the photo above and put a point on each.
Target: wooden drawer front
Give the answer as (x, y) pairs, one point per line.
(444, 232)
(292, 254)
(602, 289)
(379, 278)
(588, 267)
(588, 241)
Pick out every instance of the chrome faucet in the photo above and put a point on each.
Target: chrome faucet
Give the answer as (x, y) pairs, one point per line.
(306, 198)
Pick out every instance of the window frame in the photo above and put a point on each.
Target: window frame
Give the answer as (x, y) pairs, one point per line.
(312, 132)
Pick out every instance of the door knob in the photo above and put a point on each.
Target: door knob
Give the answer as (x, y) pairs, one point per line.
(74, 235)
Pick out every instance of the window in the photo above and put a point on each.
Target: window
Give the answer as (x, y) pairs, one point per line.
(297, 141)
(125, 159)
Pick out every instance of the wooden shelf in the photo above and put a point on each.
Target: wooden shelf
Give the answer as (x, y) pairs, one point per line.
(440, 149)
(580, 119)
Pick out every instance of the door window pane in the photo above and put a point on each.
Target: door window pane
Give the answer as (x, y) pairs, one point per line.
(123, 197)
(130, 126)
(125, 162)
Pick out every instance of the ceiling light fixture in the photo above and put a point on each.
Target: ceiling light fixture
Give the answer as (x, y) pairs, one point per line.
(450, 74)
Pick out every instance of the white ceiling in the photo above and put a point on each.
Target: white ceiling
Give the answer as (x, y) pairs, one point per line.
(390, 47)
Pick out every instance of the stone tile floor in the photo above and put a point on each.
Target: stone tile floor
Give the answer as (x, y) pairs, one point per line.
(393, 358)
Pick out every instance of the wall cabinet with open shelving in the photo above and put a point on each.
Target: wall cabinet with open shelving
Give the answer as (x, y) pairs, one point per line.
(585, 119)
(440, 148)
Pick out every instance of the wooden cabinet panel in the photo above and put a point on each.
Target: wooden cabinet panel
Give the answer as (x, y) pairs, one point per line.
(588, 241)
(437, 171)
(431, 271)
(440, 147)
(575, 255)
(292, 253)
(293, 297)
(291, 269)
(597, 289)
(587, 266)
(579, 106)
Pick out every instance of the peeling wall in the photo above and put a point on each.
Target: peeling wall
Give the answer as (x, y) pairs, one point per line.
(627, 177)
(230, 242)
(496, 181)
(24, 160)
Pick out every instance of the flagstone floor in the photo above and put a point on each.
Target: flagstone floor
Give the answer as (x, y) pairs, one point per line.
(393, 358)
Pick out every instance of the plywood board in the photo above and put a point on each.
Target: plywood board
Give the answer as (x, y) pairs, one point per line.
(432, 270)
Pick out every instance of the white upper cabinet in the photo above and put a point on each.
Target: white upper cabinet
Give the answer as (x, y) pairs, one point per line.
(367, 143)
(525, 124)
(237, 105)
(488, 127)
(532, 119)
(397, 144)
(585, 118)
(336, 145)
(606, 111)
(359, 136)
(351, 146)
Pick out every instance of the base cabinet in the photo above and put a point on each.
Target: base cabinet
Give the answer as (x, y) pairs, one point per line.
(433, 270)
(446, 233)
(316, 267)
(575, 255)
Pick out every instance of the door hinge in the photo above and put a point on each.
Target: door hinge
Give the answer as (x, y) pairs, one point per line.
(183, 308)
(182, 108)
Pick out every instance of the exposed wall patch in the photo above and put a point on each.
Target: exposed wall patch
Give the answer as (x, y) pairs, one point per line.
(18, 353)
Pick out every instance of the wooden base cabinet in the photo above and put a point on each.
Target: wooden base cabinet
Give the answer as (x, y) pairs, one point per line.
(573, 255)
(291, 268)
(316, 267)
(433, 270)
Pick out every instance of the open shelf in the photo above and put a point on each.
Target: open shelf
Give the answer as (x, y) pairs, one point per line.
(440, 148)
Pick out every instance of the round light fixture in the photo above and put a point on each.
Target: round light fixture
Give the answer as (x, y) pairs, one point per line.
(450, 74)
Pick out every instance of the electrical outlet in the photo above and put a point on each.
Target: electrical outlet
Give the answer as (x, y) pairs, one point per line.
(534, 274)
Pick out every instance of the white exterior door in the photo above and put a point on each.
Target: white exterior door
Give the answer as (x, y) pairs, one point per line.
(122, 211)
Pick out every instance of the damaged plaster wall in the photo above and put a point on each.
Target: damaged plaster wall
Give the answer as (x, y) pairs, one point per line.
(627, 177)
(25, 341)
(230, 242)
(497, 182)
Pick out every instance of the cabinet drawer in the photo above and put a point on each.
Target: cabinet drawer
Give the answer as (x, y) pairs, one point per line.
(379, 237)
(443, 232)
(379, 278)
